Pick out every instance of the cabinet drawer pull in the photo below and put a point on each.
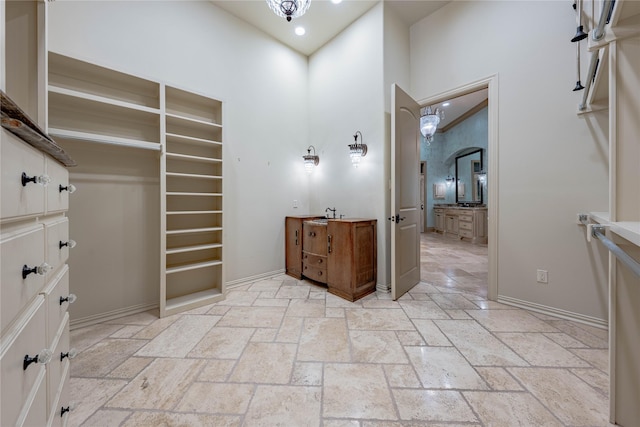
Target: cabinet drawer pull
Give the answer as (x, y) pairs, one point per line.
(42, 179)
(70, 243)
(70, 188)
(319, 273)
(43, 357)
(71, 407)
(320, 261)
(312, 234)
(71, 354)
(329, 243)
(71, 298)
(41, 270)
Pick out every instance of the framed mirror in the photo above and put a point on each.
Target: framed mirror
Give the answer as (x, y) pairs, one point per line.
(469, 188)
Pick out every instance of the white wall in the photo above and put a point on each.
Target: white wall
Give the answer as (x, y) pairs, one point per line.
(263, 84)
(396, 56)
(552, 163)
(346, 95)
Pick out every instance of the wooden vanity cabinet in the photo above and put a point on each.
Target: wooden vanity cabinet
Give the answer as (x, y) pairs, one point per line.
(352, 258)
(293, 244)
(314, 251)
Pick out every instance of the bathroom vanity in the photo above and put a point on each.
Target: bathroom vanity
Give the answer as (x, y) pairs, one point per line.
(462, 222)
(341, 253)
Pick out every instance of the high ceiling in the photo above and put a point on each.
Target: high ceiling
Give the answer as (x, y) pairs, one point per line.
(323, 21)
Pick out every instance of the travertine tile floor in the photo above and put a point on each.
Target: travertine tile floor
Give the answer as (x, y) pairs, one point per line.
(282, 352)
(454, 263)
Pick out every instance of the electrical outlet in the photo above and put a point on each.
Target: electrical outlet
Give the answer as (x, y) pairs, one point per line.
(542, 276)
(295, 203)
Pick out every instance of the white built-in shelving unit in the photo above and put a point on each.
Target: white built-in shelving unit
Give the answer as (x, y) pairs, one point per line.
(95, 104)
(92, 105)
(192, 186)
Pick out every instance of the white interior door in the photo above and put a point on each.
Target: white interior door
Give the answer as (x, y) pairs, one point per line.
(405, 198)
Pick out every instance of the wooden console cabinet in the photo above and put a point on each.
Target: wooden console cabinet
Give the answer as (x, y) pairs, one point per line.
(315, 251)
(339, 253)
(352, 258)
(293, 244)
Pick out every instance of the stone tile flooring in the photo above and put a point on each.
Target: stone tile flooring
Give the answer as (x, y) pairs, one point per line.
(282, 352)
(454, 263)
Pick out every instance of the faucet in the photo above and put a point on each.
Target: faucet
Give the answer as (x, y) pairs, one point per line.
(332, 210)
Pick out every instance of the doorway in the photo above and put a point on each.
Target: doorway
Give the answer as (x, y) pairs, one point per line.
(455, 260)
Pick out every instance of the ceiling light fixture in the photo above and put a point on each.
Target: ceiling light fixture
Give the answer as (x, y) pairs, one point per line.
(446, 104)
(311, 160)
(336, 1)
(357, 151)
(289, 8)
(300, 31)
(429, 120)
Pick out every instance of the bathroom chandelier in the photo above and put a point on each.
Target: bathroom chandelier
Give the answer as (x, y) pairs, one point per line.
(357, 151)
(311, 160)
(429, 120)
(289, 8)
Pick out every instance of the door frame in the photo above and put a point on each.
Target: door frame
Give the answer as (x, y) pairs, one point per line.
(490, 83)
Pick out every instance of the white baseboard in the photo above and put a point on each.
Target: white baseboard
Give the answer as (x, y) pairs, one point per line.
(383, 288)
(110, 315)
(247, 280)
(555, 312)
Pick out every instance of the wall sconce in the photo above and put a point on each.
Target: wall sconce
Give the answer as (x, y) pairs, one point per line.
(450, 180)
(482, 177)
(357, 151)
(311, 160)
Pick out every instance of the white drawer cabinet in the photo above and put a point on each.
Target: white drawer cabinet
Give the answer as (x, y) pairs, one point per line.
(34, 286)
(57, 366)
(57, 301)
(34, 411)
(58, 243)
(18, 158)
(59, 188)
(58, 418)
(21, 249)
(26, 339)
(34, 199)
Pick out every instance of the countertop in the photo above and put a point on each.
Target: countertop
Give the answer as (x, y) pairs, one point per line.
(20, 124)
(349, 220)
(459, 207)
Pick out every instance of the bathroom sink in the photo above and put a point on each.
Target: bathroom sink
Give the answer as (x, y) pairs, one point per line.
(320, 220)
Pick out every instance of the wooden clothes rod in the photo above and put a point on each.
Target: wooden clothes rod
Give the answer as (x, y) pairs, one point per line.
(633, 265)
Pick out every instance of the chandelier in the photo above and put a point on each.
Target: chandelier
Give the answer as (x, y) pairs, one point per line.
(429, 120)
(289, 8)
